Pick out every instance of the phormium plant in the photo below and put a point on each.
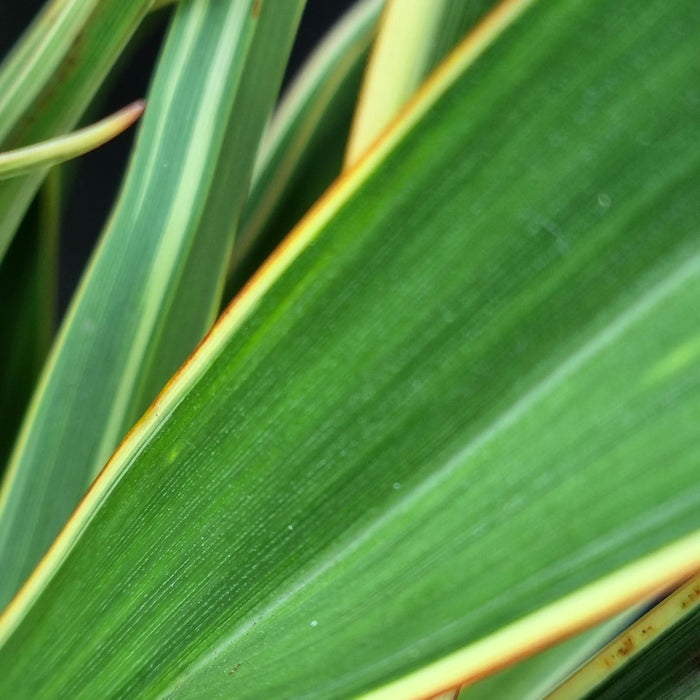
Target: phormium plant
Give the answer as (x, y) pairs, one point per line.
(449, 418)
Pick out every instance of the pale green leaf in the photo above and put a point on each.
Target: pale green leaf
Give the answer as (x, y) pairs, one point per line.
(414, 36)
(49, 79)
(21, 161)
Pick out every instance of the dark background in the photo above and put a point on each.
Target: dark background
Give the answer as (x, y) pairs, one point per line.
(94, 182)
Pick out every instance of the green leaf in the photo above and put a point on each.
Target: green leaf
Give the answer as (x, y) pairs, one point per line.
(153, 287)
(656, 657)
(49, 79)
(452, 421)
(28, 280)
(61, 148)
(303, 148)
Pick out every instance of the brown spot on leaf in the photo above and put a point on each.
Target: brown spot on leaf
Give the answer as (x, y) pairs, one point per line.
(256, 8)
(626, 646)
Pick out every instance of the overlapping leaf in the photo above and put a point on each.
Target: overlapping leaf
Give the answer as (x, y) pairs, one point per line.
(535, 677)
(302, 151)
(414, 37)
(153, 286)
(656, 657)
(48, 80)
(453, 420)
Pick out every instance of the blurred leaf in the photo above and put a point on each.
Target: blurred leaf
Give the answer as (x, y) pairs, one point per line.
(50, 77)
(21, 161)
(656, 657)
(28, 287)
(452, 421)
(533, 678)
(414, 36)
(153, 286)
(302, 151)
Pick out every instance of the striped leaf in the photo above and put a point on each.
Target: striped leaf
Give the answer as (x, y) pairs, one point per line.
(49, 79)
(303, 148)
(153, 286)
(452, 420)
(656, 657)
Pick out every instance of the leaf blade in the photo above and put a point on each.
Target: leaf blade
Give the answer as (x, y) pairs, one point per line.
(21, 161)
(507, 385)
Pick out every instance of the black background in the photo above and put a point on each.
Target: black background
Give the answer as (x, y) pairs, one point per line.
(94, 183)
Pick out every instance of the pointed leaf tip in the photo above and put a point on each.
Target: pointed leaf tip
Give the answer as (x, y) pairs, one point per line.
(61, 148)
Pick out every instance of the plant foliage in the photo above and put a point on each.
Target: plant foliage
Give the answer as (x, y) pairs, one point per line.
(449, 422)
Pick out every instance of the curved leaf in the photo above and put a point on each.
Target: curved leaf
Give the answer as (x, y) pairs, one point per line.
(61, 148)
